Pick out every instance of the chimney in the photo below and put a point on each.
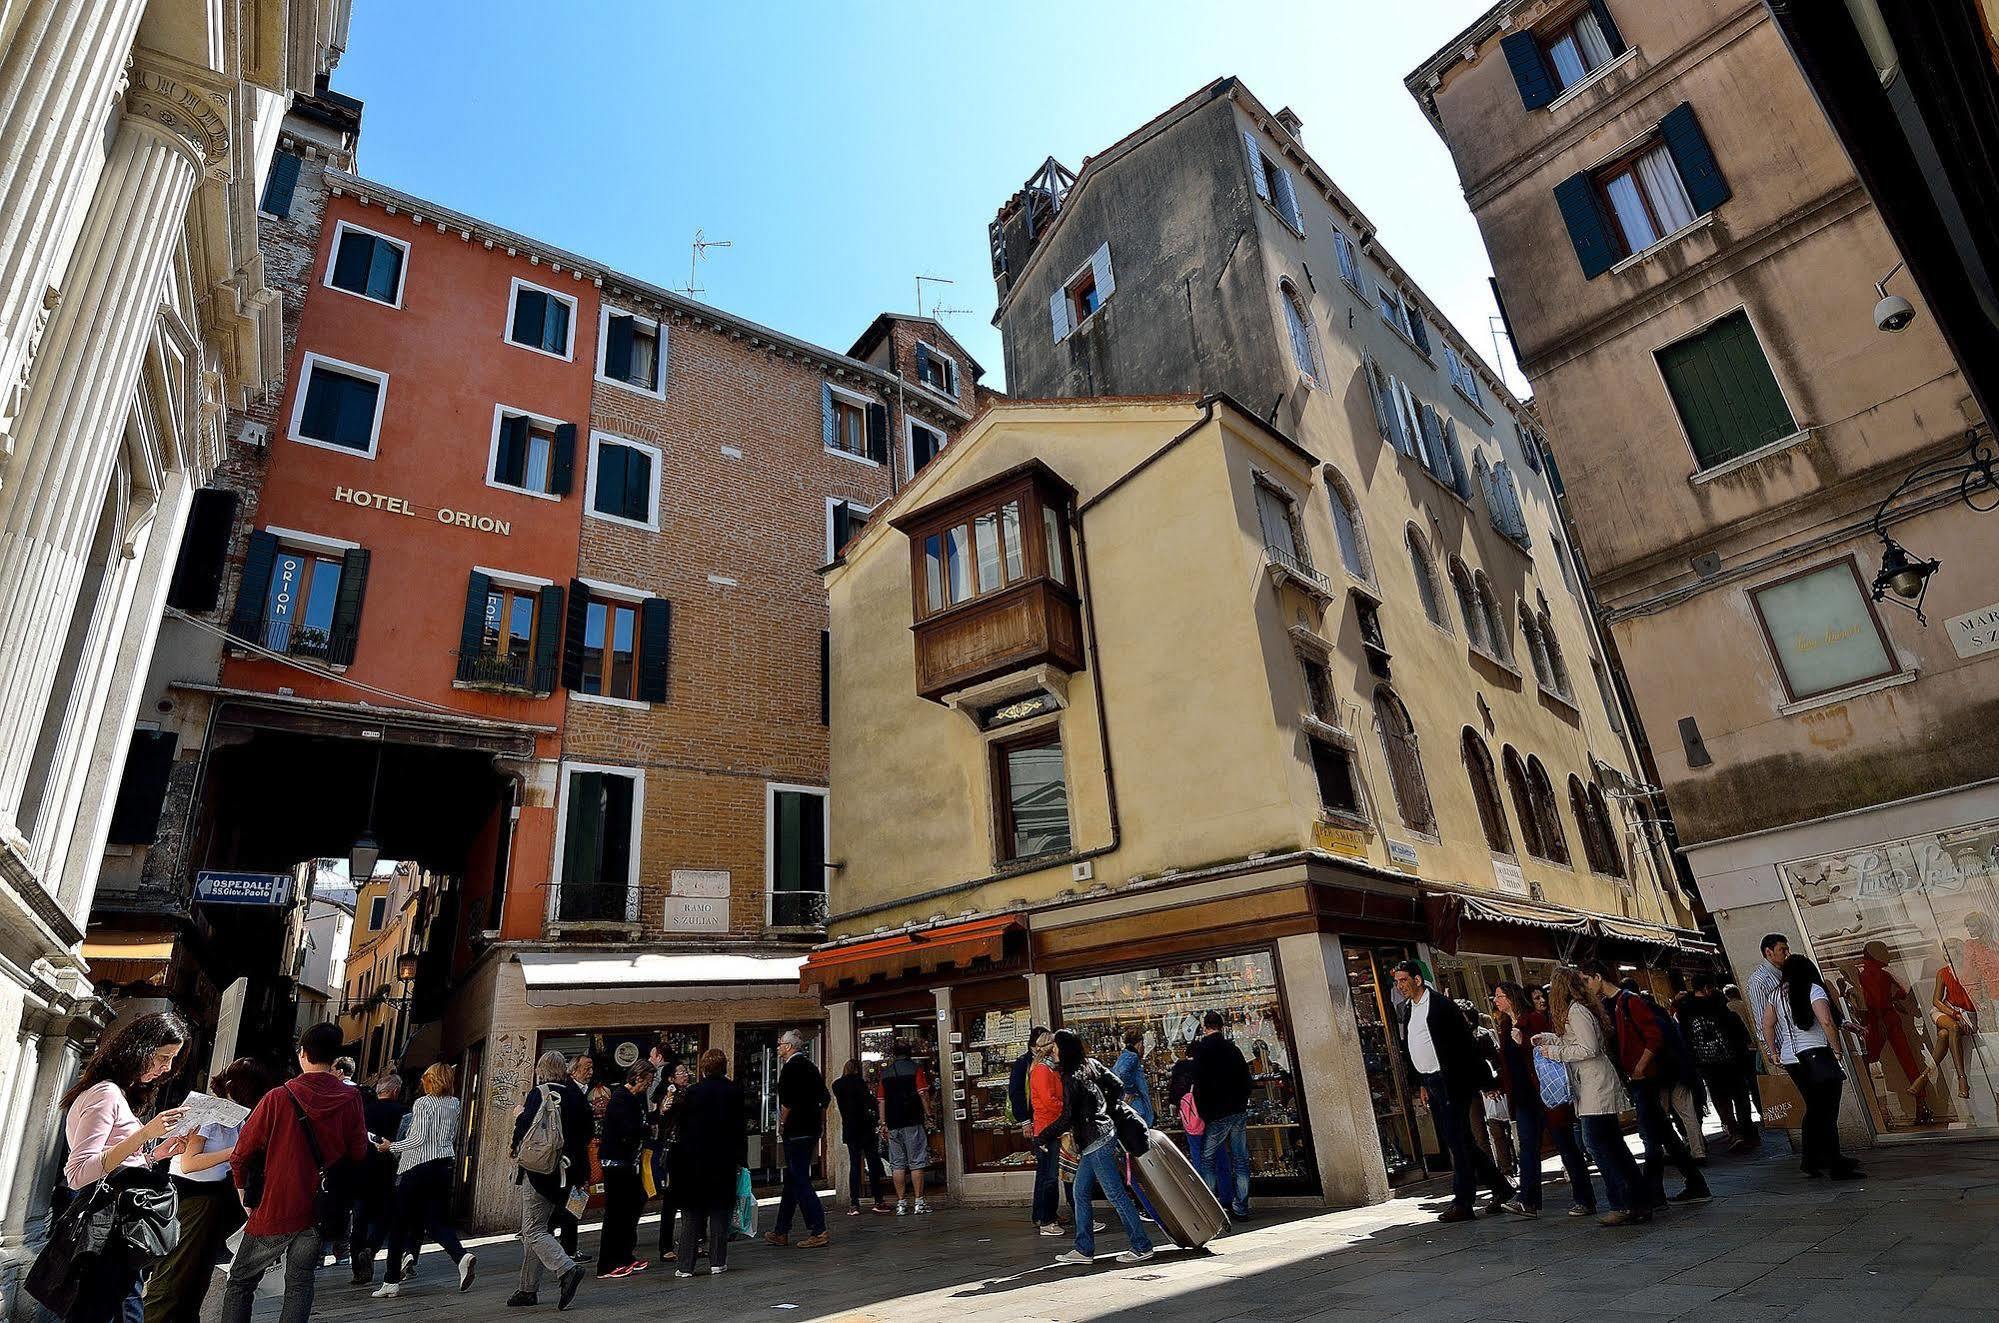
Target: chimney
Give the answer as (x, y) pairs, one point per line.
(1292, 124)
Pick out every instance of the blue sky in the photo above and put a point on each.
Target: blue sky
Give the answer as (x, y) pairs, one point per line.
(843, 150)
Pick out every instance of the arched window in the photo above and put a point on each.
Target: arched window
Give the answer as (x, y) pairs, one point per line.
(1586, 825)
(1547, 813)
(1537, 653)
(1304, 341)
(1468, 606)
(1558, 670)
(1523, 802)
(1427, 590)
(1347, 525)
(1495, 618)
(1485, 793)
(1613, 840)
(1405, 765)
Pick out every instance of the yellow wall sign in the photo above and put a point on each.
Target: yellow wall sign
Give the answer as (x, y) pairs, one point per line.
(1348, 841)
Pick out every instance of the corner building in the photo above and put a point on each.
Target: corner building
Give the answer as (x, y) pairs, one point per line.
(1690, 266)
(1255, 664)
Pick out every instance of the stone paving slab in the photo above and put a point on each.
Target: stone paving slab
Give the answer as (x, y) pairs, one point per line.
(1918, 1238)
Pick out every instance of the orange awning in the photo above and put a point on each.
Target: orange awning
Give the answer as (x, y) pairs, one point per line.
(920, 951)
(125, 957)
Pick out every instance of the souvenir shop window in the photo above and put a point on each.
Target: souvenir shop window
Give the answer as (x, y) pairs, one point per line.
(878, 1031)
(988, 1033)
(1167, 1002)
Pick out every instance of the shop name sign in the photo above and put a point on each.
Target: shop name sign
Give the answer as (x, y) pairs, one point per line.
(1975, 632)
(478, 523)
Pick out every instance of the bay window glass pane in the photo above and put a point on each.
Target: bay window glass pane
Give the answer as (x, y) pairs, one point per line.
(1823, 631)
(1037, 800)
(958, 562)
(1051, 527)
(985, 531)
(622, 681)
(1632, 218)
(1010, 530)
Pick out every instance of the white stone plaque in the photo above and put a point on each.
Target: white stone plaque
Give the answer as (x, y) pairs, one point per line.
(709, 882)
(697, 914)
(1975, 632)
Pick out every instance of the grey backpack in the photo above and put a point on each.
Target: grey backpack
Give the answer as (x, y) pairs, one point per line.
(540, 1149)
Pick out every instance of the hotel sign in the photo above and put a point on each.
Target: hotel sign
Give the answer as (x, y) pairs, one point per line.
(397, 505)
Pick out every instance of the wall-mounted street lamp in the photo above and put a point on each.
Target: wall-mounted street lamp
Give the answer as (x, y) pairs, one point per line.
(1905, 579)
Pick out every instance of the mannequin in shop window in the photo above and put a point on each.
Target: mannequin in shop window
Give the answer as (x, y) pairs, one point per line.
(1954, 1014)
(1888, 1022)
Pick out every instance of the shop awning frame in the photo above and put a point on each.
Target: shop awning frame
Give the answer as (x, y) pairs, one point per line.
(885, 958)
(119, 957)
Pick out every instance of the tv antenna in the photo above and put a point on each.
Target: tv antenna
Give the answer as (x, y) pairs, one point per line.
(935, 280)
(699, 254)
(940, 310)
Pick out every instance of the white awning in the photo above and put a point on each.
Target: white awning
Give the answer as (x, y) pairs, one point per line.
(556, 978)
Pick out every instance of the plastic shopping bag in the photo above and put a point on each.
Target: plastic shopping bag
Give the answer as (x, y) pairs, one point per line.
(745, 1221)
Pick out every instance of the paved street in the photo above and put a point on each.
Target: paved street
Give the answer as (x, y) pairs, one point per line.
(1919, 1237)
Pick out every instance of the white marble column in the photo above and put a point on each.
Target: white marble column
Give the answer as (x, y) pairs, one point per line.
(58, 75)
(74, 420)
(20, 1096)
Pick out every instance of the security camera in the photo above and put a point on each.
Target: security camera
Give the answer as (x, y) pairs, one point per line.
(1893, 313)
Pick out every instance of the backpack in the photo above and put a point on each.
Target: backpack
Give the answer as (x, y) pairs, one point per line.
(1190, 1117)
(540, 1149)
(1710, 1045)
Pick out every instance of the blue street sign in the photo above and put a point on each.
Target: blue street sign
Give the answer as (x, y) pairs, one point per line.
(214, 887)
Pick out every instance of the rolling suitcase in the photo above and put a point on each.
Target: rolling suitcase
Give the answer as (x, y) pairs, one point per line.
(1187, 1208)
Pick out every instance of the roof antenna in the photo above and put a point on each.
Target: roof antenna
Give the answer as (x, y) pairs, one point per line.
(939, 310)
(702, 243)
(935, 280)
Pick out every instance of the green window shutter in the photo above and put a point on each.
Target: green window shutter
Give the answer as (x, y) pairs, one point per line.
(618, 348)
(511, 462)
(548, 626)
(562, 462)
(247, 620)
(878, 433)
(204, 550)
(347, 606)
(655, 648)
(576, 620)
(1726, 395)
(279, 185)
(142, 793)
(351, 263)
(472, 629)
(530, 306)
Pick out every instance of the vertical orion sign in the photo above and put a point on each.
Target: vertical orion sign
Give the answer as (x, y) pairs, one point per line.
(287, 578)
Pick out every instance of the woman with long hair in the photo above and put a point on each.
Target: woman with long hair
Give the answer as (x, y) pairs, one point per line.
(711, 1148)
(620, 1152)
(1577, 1037)
(209, 1208)
(108, 1142)
(424, 1159)
(1090, 1092)
(1516, 1024)
(1799, 1025)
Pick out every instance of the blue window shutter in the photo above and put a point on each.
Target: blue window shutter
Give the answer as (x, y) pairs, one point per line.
(247, 620)
(1698, 171)
(1530, 69)
(655, 648)
(1611, 35)
(1100, 271)
(922, 362)
(1058, 314)
(826, 414)
(279, 184)
(1417, 330)
(1255, 164)
(1576, 196)
(1287, 201)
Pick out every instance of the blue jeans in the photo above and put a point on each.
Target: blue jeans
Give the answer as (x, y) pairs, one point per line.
(1103, 1168)
(799, 1196)
(1047, 1182)
(1662, 1143)
(1227, 1135)
(1621, 1182)
(1532, 1123)
(1470, 1167)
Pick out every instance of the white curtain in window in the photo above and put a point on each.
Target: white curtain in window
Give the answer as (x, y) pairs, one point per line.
(1632, 217)
(1589, 36)
(1665, 189)
(1567, 57)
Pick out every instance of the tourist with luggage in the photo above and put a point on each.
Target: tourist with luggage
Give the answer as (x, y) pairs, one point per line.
(620, 1150)
(802, 1099)
(905, 1124)
(1515, 1026)
(305, 1136)
(1644, 1053)
(550, 1128)
(1577, 1040)
(1441, 1053)
(424, 1161)
(1221, 1095)
(1800, 1022)
(1090, 1092)
(860, 1123)
(711, 1148)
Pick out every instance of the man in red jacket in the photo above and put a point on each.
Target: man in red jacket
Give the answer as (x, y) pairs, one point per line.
(285, 1223)
(1651, 1070)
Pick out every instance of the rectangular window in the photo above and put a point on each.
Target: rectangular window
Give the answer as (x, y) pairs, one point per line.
(850, 425)
(1349, 254)
(797, 857)
(1083, 297)
(506, 638)
(367, 264)
(1272, 182)
(1278, 515)
(524, 453)
(844, 522)
(984, 555)
(629, 351)
(339, 405)
(1724, 391)
(541, 320)
(937, 371)
(1032, 795)
(1823, 631)
(1082, 293)
(299, 604)
(1645, 198)
(599, 850)
(1332, 766)
(1577, 47)
(611, 649)
(378, 911)
(624, 480)
(925, 444)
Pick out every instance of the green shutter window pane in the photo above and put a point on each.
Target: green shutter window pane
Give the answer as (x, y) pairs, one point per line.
(1726, 395)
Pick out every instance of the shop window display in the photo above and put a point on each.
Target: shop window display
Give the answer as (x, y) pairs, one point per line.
(1907, 935)
(1401, 1150)
(877, 1032)
(612, 1052)
(1166, 1002)
(987, 1036)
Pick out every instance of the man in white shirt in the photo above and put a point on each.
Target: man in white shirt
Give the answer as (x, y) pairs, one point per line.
(1451, 1072)
(1761, 982)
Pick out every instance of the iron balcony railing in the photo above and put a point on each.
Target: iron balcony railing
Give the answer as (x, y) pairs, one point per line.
(798, 909)
(498, 671)
(332, 646)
